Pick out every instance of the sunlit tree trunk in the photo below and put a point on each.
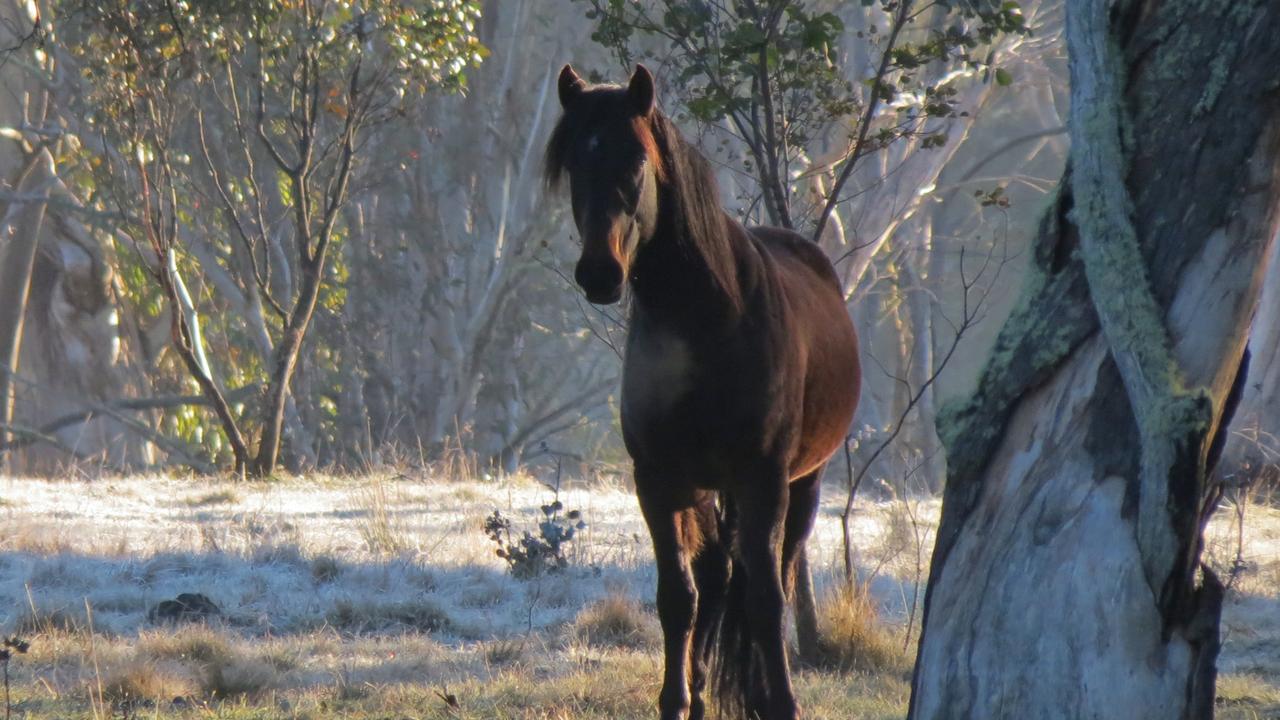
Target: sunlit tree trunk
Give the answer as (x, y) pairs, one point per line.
(1253, 449)
(19, 239)
(1066, 579)
(929, 466)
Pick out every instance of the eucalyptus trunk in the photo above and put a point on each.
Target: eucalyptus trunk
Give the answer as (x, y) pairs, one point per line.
(1253, 448)
(1066, 579)
(19, 240)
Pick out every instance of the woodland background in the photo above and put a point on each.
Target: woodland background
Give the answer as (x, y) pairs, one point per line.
(444, 320)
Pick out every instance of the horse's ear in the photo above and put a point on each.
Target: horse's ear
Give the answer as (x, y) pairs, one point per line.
(640, 91)
(571, 86)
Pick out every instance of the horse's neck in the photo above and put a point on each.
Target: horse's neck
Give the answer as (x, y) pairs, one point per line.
(673, 282)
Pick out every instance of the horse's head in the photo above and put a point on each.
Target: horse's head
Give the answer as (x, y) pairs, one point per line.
(605, 144)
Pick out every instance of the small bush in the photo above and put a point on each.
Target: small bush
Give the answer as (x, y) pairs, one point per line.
(851, 637)
(530, 556)
(11, 646)
(616, 621)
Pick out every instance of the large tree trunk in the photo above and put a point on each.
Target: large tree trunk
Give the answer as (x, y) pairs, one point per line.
(1066, 577)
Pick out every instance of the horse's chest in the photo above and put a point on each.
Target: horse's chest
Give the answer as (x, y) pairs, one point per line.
(657, 375)
(686, 402)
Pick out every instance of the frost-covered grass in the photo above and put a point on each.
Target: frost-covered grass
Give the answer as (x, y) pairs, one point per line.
(381, 596)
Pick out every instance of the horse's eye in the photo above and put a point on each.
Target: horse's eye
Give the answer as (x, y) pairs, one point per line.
(630, 198)
(630, 191)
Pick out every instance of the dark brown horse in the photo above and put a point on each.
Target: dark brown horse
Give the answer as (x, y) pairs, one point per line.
(740, 380)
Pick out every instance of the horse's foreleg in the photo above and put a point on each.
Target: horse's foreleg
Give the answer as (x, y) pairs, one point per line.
(669, 526)
(761, 514)
(711, 576)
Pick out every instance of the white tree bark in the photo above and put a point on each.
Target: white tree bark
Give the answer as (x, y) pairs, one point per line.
(1066, 579)
(19, 240)
(1253, 449)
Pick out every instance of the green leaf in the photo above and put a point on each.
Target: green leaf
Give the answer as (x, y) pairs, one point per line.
(1003, 77)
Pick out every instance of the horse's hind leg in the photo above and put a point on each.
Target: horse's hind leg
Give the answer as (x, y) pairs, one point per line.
(711, 576)
(802, 511)
(673, 527)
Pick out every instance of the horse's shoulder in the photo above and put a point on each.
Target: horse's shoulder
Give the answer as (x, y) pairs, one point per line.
(778, 241)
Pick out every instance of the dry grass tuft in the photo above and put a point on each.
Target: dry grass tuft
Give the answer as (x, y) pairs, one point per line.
(616, 621)
(383, 533)
(419, 616)
(1247, 696)
(146, 681)
(35, 539)
(504, 652)
(36, 621)
(197, 644)
(325, 568)
(851, 637)
(221, 671)
(226, 496)
(240, 677)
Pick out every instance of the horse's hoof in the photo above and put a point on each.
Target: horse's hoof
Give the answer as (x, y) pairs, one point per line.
(674, 710)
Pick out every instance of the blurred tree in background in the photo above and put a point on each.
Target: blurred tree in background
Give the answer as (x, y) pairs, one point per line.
(237, 177)
(250, 121)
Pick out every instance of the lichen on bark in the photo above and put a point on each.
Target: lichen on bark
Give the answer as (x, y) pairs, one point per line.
(1052, 317)
(1172, 420)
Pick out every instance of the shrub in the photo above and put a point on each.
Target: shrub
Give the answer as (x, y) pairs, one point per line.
(529, 556)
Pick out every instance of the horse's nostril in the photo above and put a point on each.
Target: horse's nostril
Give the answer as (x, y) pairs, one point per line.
(600, 279)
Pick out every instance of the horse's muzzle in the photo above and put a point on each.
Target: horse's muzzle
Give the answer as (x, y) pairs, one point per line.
(601, 280)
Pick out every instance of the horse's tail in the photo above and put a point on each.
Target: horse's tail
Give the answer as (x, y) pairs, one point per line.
(739, 671)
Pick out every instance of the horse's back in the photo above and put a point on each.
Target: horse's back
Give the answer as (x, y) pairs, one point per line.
(784, 245)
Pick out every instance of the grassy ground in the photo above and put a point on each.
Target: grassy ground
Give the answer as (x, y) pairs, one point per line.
(381, 597)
